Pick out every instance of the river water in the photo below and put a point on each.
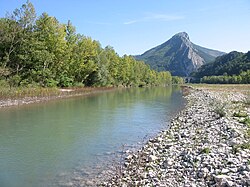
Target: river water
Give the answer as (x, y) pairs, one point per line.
(40, 142)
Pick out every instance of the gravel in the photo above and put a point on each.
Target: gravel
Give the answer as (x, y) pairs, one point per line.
(206, 145)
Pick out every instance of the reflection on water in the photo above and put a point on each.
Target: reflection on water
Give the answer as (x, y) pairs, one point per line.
(39, 141)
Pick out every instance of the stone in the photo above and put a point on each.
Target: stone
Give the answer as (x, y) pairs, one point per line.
(129, 157)
(222, 179)
(152, 158)
(225, 171)
(248, 182)
(229, 183)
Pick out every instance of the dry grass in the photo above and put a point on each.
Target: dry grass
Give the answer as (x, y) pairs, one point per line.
(24, 92)
(242, 88)
(20, 92)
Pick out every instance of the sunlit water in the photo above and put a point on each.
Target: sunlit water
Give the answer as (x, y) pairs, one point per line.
(38, 142)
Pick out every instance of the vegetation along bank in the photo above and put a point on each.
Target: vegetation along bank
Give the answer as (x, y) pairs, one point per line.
(41, 51)
(39, 55)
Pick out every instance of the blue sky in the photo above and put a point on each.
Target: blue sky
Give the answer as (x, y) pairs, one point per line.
(134, 26)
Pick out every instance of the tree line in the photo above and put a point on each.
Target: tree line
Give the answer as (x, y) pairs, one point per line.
(231, 68)
(44, 52)
(243, 78)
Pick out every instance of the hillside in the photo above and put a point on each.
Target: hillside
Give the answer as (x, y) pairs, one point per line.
(178, 55)
(232, 63)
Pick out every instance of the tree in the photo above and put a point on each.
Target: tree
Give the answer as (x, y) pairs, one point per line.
(51, 35)
(15, 36)
(43, 51)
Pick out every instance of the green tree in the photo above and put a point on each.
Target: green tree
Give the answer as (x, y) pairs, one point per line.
(51, 36)
(46, 52)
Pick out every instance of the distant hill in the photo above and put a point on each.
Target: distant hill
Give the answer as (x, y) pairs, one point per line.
(178, 55)
(232, 63)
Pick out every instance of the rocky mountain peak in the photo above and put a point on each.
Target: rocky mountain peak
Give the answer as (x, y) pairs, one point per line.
(178, 55)
(182, 35)
(181, 39)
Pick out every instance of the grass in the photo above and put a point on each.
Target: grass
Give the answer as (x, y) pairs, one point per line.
(243, 88)
(247, 100)
(237, 148)
(248, 133)
(220, 109)
(240, 114)
(22, 92)
(246, 121)
(206, 150)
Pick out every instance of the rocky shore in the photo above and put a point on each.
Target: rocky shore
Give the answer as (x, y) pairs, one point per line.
(207, 144)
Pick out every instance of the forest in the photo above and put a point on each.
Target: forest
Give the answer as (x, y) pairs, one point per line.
(41, 51)
(231, 68)
(242, 78)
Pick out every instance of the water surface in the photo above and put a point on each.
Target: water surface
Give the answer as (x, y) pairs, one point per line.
(41, 141)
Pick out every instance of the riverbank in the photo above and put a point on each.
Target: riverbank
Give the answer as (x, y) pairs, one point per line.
(207, 145)
(36, 95)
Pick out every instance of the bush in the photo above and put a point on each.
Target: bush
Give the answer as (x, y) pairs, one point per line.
(78, 84)
(246, 121)
(4, 84)
(206, 150)
(50, 83)
(220, 110)
(65, 81)
(15, 81)
(247, 100)
(240, 114)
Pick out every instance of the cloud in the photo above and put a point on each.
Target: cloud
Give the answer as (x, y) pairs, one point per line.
(155, 17)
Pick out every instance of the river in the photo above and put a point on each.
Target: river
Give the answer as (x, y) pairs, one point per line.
(40, 143)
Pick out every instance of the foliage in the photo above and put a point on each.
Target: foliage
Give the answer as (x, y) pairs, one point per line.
(206, 150)
(21, 92)
(246, 121)
(247, 100)
(238, 147)
(177, 80)
(240, 114)
(220, 109)
(42, 51)
(243, 78)
(232, 63)
(232, 68)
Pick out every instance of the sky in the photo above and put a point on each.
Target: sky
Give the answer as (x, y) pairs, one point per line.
(134, 26)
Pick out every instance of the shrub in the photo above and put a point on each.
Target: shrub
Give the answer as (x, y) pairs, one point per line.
(4, 84)
(246, 121)
(220, 109)
(247, 100)
(15, 80)
(240, 114)
(206, 150)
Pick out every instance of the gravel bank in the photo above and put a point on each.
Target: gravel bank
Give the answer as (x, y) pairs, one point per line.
(206, 145)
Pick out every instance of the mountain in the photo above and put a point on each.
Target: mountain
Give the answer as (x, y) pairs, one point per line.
(232, 63)
(178, 55)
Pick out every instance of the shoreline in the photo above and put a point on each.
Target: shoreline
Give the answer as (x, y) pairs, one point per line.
(207, 144)
(63, 93)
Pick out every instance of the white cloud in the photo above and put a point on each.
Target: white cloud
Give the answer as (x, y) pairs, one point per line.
(155, 17)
